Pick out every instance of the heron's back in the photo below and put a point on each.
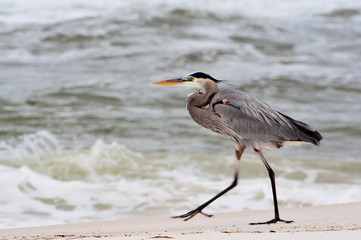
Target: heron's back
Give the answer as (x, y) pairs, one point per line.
(259, 124)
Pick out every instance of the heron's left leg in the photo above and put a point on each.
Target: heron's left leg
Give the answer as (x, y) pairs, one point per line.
(199, 209)
(273, 183)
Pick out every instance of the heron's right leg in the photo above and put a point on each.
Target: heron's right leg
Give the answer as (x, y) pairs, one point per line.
(199, 209)
(273, 184)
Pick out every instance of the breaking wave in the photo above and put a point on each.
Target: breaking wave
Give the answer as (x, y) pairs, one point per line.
(39, 177)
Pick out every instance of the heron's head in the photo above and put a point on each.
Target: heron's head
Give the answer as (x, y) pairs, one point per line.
(197, 79)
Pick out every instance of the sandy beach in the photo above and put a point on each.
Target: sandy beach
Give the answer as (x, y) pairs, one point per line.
(321, 222)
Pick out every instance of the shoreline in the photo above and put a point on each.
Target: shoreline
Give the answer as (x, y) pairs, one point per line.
(317, 222)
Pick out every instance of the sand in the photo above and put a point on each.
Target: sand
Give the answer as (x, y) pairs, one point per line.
(342, 221)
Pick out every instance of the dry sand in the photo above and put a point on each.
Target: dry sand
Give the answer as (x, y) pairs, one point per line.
(341, 221)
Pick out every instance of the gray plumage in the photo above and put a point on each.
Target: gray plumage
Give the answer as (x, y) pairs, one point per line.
(247, 121)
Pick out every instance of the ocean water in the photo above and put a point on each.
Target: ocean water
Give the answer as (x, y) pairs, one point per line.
(85, 136)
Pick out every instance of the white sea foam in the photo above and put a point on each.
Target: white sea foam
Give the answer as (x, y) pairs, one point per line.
(45, 184)
(21, 12)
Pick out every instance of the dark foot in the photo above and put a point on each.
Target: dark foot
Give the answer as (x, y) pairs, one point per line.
(272, 221)
(191, 214)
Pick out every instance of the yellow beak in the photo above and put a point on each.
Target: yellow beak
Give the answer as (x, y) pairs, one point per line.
(175, 81)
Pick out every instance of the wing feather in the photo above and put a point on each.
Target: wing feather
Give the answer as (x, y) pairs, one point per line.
(253, 119)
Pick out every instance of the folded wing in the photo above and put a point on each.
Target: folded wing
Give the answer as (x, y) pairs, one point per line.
(255, 120)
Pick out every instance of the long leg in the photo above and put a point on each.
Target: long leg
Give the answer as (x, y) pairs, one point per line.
(199, 209)
(273, 183)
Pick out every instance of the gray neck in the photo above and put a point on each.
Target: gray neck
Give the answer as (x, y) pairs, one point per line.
(197, 101)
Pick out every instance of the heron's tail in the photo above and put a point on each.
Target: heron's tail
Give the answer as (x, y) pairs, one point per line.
(305, 131)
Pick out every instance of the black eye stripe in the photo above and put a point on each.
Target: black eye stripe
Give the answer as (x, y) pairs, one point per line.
(201, 75)
(204, 76)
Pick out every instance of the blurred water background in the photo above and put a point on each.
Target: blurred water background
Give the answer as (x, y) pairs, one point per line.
(85, 136)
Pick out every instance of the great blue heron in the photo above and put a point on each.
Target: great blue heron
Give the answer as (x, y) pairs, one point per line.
(247, 121)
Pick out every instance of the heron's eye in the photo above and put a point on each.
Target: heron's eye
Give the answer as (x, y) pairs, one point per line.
(191, 78)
